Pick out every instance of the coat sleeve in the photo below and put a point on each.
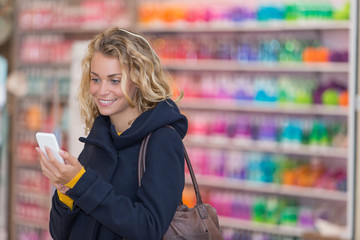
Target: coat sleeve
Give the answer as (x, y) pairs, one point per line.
(61, 219)
(158, 196)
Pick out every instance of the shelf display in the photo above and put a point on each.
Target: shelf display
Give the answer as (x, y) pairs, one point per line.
(267, 97)
(44, 37)
(85, 14)
(283, 131)
(284, 48)
(235, 12)
(277, 91)
(266, 94)
(36, 112)
(45, 48)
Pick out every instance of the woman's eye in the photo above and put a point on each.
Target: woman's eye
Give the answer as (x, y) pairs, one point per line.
(95, 80)
(115, 81)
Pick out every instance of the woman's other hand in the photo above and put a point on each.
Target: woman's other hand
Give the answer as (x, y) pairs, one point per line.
(59, 174)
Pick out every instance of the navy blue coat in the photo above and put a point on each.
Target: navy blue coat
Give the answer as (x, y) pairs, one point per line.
(108, 203)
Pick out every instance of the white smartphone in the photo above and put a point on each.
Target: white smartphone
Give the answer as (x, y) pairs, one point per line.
(49, 140)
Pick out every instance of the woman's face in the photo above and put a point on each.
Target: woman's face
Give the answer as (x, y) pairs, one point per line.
(105, 87)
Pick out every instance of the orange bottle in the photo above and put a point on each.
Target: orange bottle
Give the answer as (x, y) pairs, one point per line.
(344, 98)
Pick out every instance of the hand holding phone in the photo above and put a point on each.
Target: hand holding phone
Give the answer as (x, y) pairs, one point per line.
(49, 140)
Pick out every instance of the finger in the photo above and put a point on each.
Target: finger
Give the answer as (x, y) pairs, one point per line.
(67, 157)
(52, 168)
(71, 160)
(60, 191)
(58, 172)
(49, 162)
(41, 153)
(52, 158)
(46, 171)
(63, 173)
(44, 163)
(61, 188)
(56, 185)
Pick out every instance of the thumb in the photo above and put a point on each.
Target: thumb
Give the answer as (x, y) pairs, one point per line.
(67, 157)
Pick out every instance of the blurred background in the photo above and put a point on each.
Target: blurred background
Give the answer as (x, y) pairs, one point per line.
(270, 93)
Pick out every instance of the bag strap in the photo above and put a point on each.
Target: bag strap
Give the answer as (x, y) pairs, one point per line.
(141, 158)
(141, 167)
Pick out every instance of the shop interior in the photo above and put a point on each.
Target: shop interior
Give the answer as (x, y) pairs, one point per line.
(271, 95)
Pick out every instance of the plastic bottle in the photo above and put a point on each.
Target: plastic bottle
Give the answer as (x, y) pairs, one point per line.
(259, 210)
(272, 210)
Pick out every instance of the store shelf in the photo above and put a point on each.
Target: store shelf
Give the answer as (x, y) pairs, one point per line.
(246, 26)
(29, 165)
(261, 227)
(269, 188)
(51, 65)
(81, 30)
(263, 146)
(229, 65)
(42, 198)
(235, 30)
(47, 97)
(34, 223)
(42, 50)
(264, 107)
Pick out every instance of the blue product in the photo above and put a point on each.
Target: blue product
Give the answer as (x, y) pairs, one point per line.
(267, 167)
(292, 132)
(266, 90)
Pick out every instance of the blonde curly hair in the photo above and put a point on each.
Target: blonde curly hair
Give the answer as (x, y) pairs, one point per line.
(145, 71)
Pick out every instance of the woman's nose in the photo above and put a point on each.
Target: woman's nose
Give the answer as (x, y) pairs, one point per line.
(104, 88)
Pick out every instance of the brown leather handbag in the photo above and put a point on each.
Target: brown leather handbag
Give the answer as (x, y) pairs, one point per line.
(197, 223)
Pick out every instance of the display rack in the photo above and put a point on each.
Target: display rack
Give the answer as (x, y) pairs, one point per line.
(183, 30)
(45, 32)
(221, 65)
(25, 171)
(248, 26)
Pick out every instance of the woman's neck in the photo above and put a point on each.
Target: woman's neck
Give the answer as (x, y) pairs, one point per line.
(124, 120)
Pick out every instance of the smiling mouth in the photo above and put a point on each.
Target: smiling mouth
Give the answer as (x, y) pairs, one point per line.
(107, 102)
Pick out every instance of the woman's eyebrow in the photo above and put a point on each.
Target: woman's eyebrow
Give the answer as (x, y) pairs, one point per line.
(115, 74)
(111, 75)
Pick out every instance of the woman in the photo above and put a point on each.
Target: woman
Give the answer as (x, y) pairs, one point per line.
(123, 97)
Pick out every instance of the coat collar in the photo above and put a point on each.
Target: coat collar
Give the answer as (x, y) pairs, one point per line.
(100, 135)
